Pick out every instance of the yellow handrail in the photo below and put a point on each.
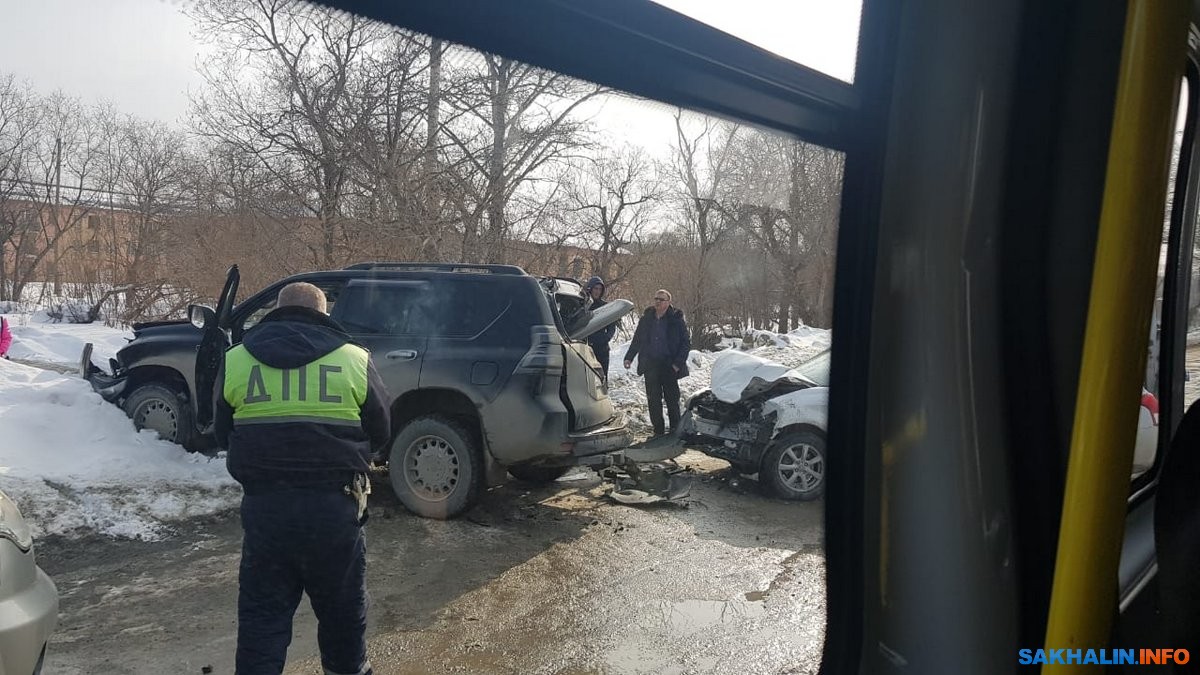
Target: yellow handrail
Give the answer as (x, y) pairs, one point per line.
(1118, 323)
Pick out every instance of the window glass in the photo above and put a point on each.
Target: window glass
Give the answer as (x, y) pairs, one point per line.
(301, 139)
(466, 308)
(1147, 439)
(381, 308)
(1191, 384)
(268, 305)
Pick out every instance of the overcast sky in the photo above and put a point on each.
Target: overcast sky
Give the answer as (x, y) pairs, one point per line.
(141, 54)
(821, 34)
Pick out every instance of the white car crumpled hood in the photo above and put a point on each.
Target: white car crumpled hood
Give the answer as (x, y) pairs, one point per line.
(736, 375)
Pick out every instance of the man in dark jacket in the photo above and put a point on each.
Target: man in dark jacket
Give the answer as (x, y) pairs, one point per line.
(600, 339)
(662, 345)
(300, 410)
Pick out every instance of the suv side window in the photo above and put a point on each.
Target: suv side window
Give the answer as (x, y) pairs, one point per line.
(385, 308)
(467, 307)
(331, 288)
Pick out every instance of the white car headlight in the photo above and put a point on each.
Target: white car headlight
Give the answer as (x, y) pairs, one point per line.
(12, 525)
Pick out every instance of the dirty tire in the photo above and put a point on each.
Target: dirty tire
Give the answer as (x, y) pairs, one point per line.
(435, 468)
(538, 475)
(161, 408)
(794, 468)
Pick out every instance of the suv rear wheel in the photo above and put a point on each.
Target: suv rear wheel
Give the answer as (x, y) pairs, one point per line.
(162, 409)
(435, 467)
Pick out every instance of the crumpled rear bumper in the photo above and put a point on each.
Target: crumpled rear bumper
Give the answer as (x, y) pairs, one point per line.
(601, 439)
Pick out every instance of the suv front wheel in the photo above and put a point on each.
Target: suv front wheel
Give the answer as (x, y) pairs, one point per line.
(161, 409)
(435, 467)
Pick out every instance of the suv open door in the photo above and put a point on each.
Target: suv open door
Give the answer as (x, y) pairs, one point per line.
(216, 339)
(584, 391)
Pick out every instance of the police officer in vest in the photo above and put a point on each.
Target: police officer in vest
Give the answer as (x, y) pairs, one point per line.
(300, 409)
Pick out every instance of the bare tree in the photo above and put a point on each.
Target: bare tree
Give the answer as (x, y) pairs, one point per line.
(511, 121)
(700, 164)
(787, 195)
(614, 200)
(150, 179)
(238, 211)
(19, 121)
(286, 92)
(49, 174)
(406, 196)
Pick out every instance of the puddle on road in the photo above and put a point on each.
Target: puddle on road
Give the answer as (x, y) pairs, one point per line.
(644, 654)
(692, 615)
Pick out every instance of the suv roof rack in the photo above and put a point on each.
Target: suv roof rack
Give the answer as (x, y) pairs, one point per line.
(440, 267)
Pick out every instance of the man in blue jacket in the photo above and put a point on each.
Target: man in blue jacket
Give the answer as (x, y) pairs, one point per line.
(600, 339)
(300, 409)
(662, 345)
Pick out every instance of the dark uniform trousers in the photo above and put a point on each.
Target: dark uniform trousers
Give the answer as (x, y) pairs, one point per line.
(602, 356)
(302, 540)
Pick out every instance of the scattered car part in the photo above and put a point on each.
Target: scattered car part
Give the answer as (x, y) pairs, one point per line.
(636, 483)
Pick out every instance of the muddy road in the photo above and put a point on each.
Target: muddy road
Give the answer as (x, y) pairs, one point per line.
(535, 580)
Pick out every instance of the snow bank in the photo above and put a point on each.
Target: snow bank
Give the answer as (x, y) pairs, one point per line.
(39, 341)
(74, 462)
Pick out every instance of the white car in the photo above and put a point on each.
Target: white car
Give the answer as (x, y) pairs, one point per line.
(28, 598)
(765, 419)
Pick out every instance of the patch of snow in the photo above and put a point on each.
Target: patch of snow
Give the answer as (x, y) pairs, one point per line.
(39, 340)
(74, 462)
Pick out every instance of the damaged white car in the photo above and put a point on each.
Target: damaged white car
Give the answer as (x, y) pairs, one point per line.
(766, 419)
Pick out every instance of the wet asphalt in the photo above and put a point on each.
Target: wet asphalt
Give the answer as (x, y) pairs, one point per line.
(552, 579)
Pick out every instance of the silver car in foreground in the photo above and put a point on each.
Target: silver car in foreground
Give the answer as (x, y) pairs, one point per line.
(28, 599)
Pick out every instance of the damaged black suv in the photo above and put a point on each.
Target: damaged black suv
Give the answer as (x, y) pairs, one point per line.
(488, 367)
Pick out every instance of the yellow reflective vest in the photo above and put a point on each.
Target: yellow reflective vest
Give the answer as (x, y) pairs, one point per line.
(329, 390)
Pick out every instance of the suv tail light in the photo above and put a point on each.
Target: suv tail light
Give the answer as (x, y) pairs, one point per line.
(544, 359)
(1150, 403)
(545, 355)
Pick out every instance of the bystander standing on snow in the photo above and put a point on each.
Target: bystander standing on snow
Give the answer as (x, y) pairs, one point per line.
(5, 337)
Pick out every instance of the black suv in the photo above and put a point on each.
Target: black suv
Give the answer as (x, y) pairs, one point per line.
(488, 366)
